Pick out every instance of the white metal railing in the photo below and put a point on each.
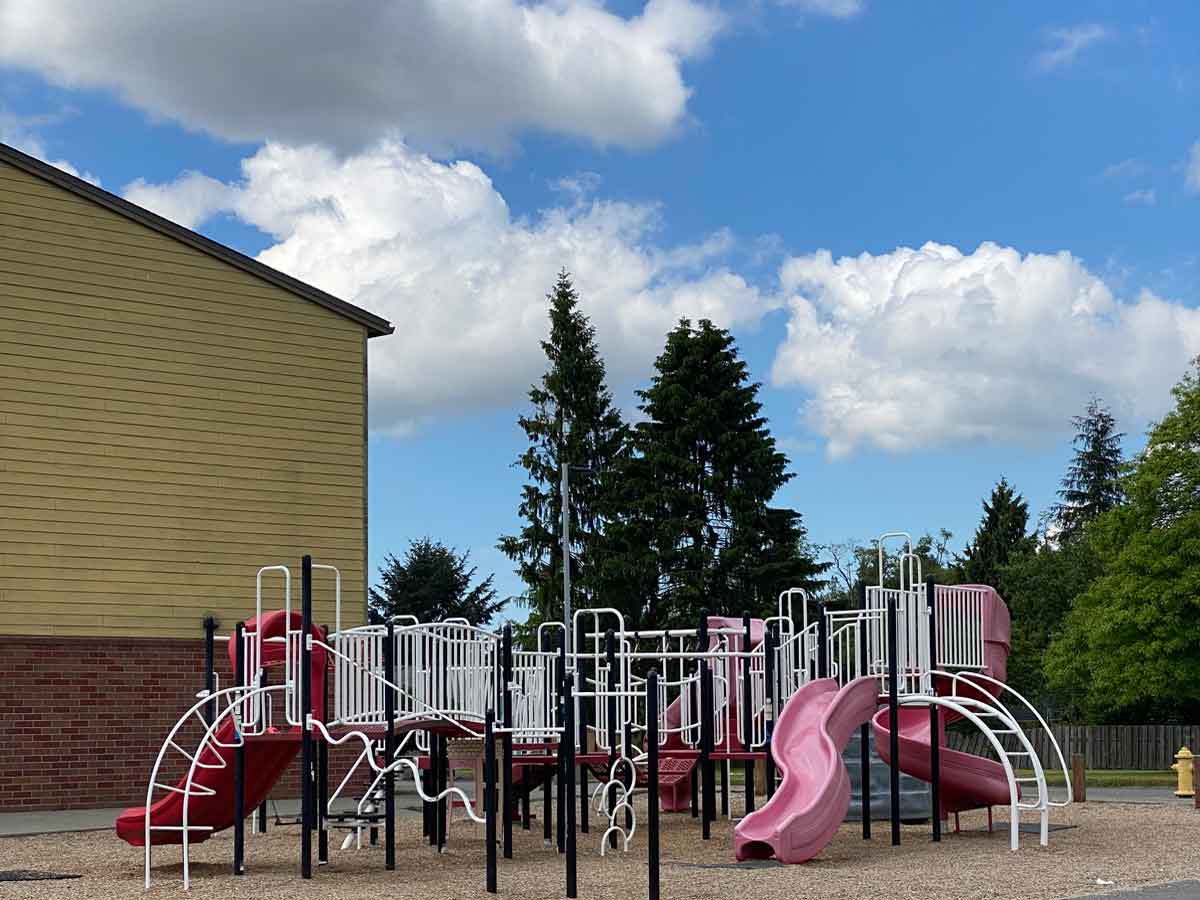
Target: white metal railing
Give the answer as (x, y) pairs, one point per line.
(959, 614)
(989, 686)
(451, 670)
(445, 670)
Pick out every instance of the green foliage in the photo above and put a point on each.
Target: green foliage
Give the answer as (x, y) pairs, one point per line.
(1039, 588)
(572, 392)
(432, 582)
(852, 562)
(692, 526)
(1130, 646)
(1092, 485)
(1000, 537)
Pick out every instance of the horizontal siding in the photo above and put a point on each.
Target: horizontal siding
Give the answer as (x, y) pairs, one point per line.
(168, 424)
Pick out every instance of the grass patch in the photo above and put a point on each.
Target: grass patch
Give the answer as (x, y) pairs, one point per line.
(1114, 778)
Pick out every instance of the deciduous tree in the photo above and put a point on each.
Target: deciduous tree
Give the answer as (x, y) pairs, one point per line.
(1130, 647)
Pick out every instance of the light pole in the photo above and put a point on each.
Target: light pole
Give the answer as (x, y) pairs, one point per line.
(565, 491)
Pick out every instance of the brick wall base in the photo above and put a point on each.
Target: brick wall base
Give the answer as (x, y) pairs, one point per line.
(83, 719)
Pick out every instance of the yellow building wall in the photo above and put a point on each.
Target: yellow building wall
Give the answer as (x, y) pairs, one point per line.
(168, 424)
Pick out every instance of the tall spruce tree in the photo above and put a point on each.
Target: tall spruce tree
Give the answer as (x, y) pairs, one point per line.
(433, 582)
(694, 527)
(1000, 537)
(573, 421)
(1092, 485)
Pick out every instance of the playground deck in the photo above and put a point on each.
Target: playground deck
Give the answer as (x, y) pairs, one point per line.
(1130, 845)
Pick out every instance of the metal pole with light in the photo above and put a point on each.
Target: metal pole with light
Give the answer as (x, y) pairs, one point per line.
(566, 546)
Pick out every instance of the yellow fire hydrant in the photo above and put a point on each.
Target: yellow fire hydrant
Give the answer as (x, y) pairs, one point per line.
(1184, 770)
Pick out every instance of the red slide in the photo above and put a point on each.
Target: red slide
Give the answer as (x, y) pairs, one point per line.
(266, 759)
(968, 781)
(807, 810)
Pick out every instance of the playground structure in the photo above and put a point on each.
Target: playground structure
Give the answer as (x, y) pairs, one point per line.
(636, 710)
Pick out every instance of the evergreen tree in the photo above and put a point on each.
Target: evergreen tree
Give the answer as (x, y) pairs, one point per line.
(693, 526)
(1130, 647)
(573, 421)
(1000, 537)
(1092, 485)
(432, 582)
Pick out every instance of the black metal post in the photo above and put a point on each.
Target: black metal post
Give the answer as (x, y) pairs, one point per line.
(569, 768)
(427, 785)
(694, 785)
(389, 780)
(747, 713)
(306, 738)
(610, 652)
(772, 640)
(822, 641)
(322, 802)
(935, 716)
(443, 804)
(581, 675)
(864, 732)
(323, 773)
(695, 698)
(262, 807)
(210, 672)
(435, 806)
(489, 796)
(239, 756)
(652, 785)
(443, 769)
(583, 788)
(894, 717)
(560, 797)
(506, 656)
(709, 799)
(547, 781)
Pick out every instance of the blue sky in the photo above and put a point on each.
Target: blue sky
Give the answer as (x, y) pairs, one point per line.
(682, 157)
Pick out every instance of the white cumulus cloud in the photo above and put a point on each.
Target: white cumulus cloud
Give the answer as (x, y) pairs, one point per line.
(434, 248)
(919, 348)
(441, 72)
(1066, 44)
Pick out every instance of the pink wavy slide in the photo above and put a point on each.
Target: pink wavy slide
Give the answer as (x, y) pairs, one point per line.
(813, 729)
(814, 796)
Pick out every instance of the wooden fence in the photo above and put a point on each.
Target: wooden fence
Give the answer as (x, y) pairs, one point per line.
(1140, 747)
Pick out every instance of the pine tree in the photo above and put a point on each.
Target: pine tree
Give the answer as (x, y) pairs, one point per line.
(433, 582)
(1092, 485)
(573, 421)
(1000, 537)
(695, 529)
(1130, 646)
